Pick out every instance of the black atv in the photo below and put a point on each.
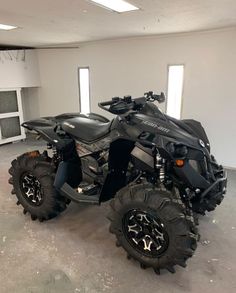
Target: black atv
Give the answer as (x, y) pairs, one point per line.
(157, 171)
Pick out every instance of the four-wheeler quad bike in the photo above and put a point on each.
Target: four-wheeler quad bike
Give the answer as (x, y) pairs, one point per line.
(156, 170)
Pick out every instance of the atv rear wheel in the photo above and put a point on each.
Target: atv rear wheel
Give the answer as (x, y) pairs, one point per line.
(32, 179)
(152, 225)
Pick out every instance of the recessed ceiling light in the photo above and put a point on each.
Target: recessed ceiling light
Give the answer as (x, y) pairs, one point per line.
(7, 27)
(116, 5)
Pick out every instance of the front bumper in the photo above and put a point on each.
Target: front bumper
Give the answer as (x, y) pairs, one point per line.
(218, 187)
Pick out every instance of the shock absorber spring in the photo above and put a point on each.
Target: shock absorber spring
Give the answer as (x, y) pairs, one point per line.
(158, 161)
(162, 173)
(160, 165)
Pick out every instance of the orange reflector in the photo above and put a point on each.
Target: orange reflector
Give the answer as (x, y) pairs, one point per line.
(179, 163)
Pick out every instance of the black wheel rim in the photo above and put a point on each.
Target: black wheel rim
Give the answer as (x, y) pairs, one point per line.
(31, 189)
(145, 232)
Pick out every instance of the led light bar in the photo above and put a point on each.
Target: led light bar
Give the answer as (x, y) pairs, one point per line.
(7, 27)
(116, 5)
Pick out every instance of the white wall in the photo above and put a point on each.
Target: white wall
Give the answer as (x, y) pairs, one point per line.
(134, 66)
(19, 69)
(30, 103)
(58, 72)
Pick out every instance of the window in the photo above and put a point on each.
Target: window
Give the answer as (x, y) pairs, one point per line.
(11, 115)
(175, 90)
(84, 90)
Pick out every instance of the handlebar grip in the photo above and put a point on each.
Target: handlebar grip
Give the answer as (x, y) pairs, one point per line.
(108, 103)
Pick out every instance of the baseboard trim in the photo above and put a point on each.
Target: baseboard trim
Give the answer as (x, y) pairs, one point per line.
(230, 168)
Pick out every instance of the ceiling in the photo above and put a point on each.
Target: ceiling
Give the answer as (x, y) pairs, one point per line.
(62, 22)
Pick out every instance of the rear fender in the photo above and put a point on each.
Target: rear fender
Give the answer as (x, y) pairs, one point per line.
(69, 169)
(46, 128)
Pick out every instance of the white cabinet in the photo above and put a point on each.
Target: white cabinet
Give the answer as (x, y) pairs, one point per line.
(11, 115)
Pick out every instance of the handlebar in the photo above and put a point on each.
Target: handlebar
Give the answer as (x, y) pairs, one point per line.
(108, 103)
(103, 105)
(123, 105)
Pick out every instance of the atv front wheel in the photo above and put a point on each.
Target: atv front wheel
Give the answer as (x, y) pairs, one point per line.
(152, 225)
(32, 179)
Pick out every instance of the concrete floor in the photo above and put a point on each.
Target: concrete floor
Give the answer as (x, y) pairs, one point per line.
(76, 253)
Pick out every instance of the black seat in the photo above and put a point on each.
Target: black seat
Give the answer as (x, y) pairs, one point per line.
(86, 129)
